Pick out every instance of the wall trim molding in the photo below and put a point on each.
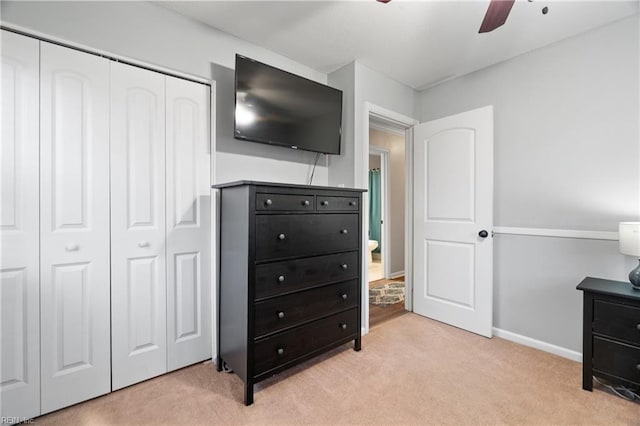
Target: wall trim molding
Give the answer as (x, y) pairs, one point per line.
(538, 344)
(557, 233)
(385, 127)
(395, 275)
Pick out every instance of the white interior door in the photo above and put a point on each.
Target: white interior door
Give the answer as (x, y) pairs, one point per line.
(188, 223)
(19, 229)
(138, 268)
(74, 212)
(453, 205)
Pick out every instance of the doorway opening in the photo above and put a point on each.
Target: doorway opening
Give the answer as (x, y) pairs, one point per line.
(388, 204)
(378, 264)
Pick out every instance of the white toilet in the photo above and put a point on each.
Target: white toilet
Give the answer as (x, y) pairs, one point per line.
(373, 244)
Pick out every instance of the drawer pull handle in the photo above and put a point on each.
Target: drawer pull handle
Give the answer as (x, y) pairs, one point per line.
(268, 202)
(282, 237)
(344, 296)
(71, 247)
(280, 351)
(344, 266)
(638, 368)
(280, 314)
(344, 231)
(281, 278)
(324, 203)
(638, 327)
(343, 326)
(352, 203)
(143, 243)
(305, 203)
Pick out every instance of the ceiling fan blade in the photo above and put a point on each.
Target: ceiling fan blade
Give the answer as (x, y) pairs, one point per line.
(496, 15)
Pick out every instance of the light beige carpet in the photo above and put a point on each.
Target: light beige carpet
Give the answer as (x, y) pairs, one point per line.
(411, 370)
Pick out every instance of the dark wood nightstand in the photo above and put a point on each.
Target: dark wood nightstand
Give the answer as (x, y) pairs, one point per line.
(611, 332)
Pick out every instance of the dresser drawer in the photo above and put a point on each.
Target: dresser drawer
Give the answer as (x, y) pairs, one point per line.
(617, 359)
(280, 236)
(286, 347)
(276, 278)
(284, 202)
(617, 320)
(285, 311)
(324, 203)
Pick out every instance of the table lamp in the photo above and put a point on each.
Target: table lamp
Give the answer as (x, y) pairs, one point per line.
(629, 233)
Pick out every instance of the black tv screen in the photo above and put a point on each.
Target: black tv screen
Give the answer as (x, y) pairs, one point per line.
(276, 107)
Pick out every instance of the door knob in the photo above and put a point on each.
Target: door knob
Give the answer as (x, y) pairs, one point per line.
(483, 234)
(282, 237)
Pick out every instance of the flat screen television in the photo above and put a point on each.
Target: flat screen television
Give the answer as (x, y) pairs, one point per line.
(276, 107)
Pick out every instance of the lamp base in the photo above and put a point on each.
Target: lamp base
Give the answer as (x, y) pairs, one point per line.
(634, 277)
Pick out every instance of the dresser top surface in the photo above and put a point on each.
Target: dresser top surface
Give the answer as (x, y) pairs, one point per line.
(282, 185)
(609, 287)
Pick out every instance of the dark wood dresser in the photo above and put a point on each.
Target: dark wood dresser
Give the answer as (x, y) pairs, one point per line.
(611, 332)
(289, 284)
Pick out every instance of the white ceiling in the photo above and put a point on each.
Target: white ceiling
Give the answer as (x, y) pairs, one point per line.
(418, 43)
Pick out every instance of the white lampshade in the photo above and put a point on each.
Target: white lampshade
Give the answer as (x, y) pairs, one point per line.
(629, 233)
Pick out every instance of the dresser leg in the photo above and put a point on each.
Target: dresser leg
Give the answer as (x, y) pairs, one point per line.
(248, 393)
(587, 342)
(356, 345)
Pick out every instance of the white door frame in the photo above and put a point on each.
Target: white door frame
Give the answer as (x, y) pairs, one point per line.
(362, 152)
(384, 206)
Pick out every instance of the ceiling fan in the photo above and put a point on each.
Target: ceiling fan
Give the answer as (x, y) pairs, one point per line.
(495, 17)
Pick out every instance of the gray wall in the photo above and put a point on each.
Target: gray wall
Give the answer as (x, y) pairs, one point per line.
(341, 167)
(566, 157)
(360, 85)
(395, 144)
(152, 34)
(374, 162)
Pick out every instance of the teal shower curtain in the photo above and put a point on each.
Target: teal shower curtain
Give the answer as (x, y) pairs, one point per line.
(375, 207)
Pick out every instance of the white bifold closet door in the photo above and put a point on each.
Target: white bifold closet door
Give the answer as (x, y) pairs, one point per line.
(138, 271)
(188, 223)
(19, 229)
(160, 224)
(74, 225)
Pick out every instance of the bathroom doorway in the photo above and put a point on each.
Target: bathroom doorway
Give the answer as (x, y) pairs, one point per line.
(378, 263)
(386, 220)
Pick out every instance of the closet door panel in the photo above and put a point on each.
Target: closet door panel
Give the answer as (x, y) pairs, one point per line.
(19, 229)
(188, 223)
(138, 271)
(74, 211)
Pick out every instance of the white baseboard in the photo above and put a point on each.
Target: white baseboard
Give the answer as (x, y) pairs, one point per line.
(538, 344)
(396, 274)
